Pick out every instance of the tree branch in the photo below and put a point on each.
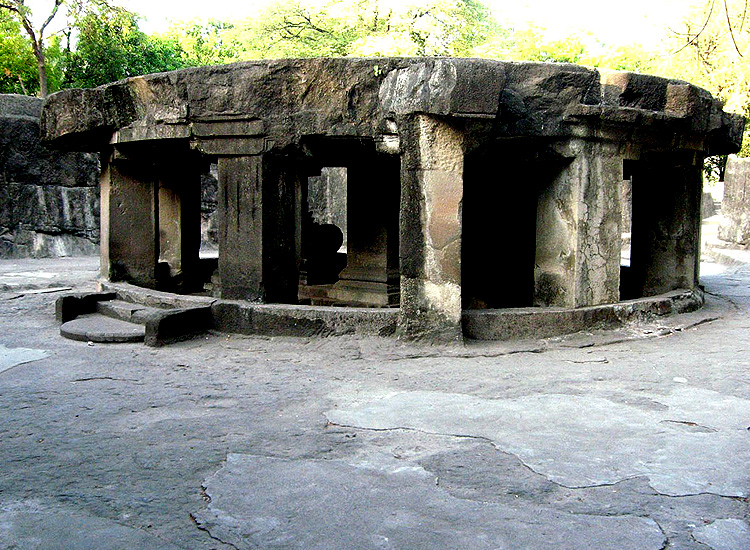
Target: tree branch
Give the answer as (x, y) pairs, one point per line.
(50, 18)
(731, 32)
(698, 34)
(11, 7)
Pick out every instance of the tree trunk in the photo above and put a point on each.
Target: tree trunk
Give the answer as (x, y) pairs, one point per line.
(42, 77)
(41, 66)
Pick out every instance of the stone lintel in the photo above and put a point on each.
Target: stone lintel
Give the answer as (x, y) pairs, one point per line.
(218, 128)
(150, 133)
(233, 146)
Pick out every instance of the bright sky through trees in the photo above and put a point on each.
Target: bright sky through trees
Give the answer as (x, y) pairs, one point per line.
(610, 21)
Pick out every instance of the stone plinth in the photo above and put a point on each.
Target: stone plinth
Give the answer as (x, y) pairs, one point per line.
(470, 184)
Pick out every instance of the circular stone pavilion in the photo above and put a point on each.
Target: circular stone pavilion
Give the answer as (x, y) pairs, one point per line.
(479, 198)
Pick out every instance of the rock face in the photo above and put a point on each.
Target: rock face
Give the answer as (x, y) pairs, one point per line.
(433, 149)
(735, 208)
(49, 200)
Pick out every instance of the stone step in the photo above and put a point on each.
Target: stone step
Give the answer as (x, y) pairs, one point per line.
(165, 320)
(95, 327)
(126, 311)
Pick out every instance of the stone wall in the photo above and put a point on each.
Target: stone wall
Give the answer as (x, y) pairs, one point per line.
(49, 200)
(735, 208)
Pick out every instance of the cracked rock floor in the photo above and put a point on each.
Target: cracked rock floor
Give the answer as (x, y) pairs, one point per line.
(636, 438)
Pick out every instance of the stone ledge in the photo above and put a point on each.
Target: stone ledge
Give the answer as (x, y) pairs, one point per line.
(508, 324)
(292, 320)
(154, 298)
(201, 313)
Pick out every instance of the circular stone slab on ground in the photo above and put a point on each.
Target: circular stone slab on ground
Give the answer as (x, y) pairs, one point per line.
(98, 328)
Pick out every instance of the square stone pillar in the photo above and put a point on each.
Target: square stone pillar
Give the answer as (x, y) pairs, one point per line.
(665, 249)
(431, 194)
(129, 221)
(259, 228)
(371, 276)
(179, 223)
(578, 229)
(735, 207)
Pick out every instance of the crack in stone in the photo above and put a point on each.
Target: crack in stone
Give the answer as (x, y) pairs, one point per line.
(735, 305)
(663, 532)
(494, 446)
(661, 469)
(695, 426)
(208, 532)
(97, 378)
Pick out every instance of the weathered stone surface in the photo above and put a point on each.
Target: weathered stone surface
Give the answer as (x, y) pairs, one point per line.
(337, 96)
(670, 437)
(317, 504)
(132, 435)
(31, 525)
(735, 208)
(49, 201)
(11, 357)
(724, 534)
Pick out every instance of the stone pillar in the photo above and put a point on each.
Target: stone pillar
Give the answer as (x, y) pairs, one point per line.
(180, 223)
(129, 220)
(665, 252)
(735, 207)
(259, 228)
(578, 229)
(371, 274)
(430, 252)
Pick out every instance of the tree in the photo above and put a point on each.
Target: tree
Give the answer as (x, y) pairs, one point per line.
(36, 36)
(18, 70)
(292, 28)
(708, 49)
(109, 46)
(210, 43)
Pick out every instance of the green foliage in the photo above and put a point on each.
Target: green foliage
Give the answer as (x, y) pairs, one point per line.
(710, 48)
(18, 68)
(110, 47)
(290, 28)
(632, 58)
(210, 43)
(530, 44)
